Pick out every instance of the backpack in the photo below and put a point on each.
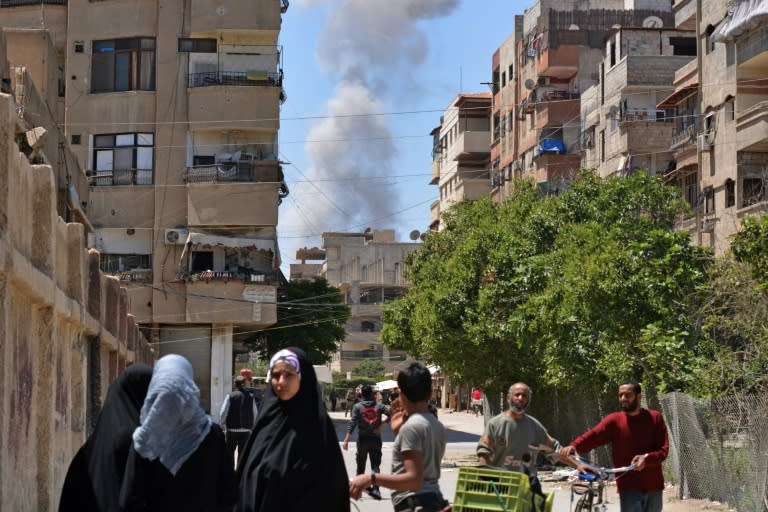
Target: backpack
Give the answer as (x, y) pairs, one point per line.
(370, 418)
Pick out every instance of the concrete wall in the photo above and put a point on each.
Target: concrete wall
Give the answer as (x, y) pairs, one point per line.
(58, 316)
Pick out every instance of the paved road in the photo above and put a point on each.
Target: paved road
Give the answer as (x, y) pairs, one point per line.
(464, 429)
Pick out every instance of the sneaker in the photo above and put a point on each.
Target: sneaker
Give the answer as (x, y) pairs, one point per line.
(373, 492)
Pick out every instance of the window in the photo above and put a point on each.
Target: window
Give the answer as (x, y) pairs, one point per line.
(123, 65)
(683, 45)
(124, 158)
(709, 200)
(730, 193)
(202, 261)
(197, 45)
(602, 145)
(730, 110)
(509, 73)
(503, 78)
(753, 191)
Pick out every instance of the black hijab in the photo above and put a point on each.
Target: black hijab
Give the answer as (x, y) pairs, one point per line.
(292, 461)
(96, 474)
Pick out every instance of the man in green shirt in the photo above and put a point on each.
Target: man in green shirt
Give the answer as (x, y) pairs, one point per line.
(508, 436)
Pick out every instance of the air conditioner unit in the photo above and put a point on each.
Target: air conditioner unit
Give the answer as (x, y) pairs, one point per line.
(176, 236)
(543, 80)
(704, 142)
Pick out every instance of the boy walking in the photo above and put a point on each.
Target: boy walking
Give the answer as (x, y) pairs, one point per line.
(367, 418)
(417, 451)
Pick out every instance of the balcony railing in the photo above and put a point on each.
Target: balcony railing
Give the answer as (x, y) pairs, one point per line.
(136, 275)
(558, 95)
(262, 171)
(120, 177)
(238, 78)
(18, 3)
(646, 114)
(244, 275)
(683, 137)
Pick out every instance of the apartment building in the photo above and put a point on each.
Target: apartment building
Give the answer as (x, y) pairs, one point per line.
(172, 108)
(460, 153)
(622, 128)
(538, 87)
(368, 268)
(721, 102)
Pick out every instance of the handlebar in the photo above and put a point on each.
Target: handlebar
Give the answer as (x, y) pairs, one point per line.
(601, 471)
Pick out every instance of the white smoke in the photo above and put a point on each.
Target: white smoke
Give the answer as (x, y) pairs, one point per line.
(372, 48)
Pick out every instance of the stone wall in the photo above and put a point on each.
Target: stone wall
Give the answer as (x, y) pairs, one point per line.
(58, 313)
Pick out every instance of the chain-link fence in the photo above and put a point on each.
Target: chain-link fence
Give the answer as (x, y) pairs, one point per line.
(718, 449)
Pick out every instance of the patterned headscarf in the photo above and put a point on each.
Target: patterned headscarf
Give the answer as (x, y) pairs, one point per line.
(284, 356)
(173, 424)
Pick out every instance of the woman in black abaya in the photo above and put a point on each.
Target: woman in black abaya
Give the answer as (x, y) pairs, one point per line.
(96, 474)
(292, 461)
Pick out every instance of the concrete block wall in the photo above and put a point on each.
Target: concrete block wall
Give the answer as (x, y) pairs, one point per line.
(53, 304)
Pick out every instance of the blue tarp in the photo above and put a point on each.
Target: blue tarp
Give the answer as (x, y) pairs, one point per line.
(551, 146)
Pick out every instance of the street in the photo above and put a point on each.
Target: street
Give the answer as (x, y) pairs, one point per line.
(464, 430)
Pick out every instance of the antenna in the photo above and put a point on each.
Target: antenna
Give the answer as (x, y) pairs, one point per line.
(414, 235)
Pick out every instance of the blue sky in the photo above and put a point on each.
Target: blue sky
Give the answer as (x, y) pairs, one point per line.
(366, 81)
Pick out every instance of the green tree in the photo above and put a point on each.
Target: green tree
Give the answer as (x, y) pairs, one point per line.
(369, 368)
(311, 315)
(589, 287)
(750, 245)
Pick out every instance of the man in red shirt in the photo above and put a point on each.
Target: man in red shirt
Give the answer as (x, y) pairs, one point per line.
(636, 435)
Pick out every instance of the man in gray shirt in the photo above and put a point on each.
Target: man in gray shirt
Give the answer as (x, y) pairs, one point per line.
(508, 436)
(417, 451)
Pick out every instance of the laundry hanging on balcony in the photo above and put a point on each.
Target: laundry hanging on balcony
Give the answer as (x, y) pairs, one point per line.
(551, 146)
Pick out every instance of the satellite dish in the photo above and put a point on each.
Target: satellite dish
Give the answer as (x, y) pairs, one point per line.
(414, 235)
(573, 27)
(529, 84)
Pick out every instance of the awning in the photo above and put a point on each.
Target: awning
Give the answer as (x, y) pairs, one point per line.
(743, 17)
(386, 384)
(206, 240)
(678, 96)
(323, 373)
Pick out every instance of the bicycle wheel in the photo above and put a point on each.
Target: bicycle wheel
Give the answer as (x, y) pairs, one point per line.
(584, 504)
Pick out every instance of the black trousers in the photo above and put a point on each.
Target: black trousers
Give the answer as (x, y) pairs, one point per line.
(368, 446)
(236, 440)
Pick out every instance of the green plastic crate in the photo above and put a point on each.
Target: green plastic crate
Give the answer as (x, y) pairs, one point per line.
(482, 489)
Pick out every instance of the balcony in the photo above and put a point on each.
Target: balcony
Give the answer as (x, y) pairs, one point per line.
(254, 171)
(225, 301)
(561, 62)
(752, 127)
(235, 78)
(119, 177)
(258, 15)
(233, 204)
(470, 146)
(559, 110)
(228, 106)
(752, 50)
(683, 137)
(685, 14)
(648, 115)
(435, 176)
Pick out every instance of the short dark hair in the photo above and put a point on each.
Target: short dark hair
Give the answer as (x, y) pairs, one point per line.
(239, 381)
(415, 382)
(367, 391)
(635, 385)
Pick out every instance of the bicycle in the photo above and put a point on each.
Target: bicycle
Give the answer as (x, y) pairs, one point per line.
(591, 486)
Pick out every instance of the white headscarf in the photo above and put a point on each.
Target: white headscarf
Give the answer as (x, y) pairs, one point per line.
(172, 422)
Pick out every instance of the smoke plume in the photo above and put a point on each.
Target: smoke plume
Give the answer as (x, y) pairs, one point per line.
(371, 48)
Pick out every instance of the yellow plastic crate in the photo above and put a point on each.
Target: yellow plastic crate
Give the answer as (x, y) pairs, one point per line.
(482, 489)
